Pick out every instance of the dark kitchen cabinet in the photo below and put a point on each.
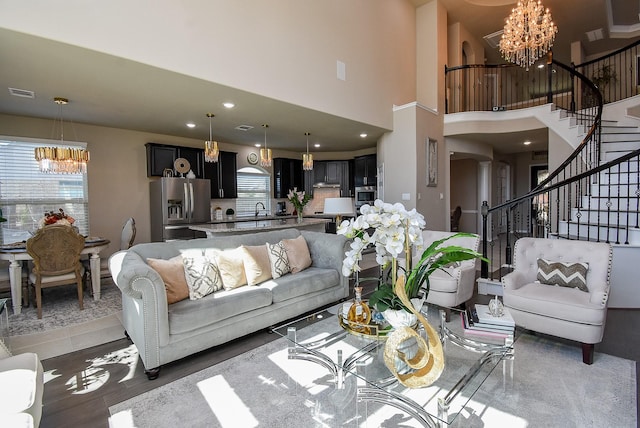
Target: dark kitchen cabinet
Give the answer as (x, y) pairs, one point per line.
(223, 176)
(333, 172)
(159, 158)
(195, 158)
(287, 174)
(365, 170)
(163, 156)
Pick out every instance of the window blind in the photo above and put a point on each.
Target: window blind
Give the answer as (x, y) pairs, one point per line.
(253, 186)
(26, 193)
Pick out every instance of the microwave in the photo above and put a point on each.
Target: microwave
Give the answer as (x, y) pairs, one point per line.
(365, 195)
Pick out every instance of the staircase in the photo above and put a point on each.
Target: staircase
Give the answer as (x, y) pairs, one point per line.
(609, 211)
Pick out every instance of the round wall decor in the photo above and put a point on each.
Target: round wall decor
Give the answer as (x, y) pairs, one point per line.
(252, 158)
(182, 165)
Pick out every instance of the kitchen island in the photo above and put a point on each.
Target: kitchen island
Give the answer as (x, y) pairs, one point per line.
(259, 224)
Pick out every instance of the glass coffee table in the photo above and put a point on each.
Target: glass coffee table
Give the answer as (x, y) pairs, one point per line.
(354, 359)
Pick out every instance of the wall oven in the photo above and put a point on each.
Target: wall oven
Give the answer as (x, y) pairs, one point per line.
(364, 195)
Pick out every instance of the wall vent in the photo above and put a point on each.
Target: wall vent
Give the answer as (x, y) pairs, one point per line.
(595, 35)
(244, 127)
(24, 93)
(493, 39)
(539, 154)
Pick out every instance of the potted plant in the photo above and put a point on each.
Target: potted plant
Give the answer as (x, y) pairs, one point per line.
(416, 280)
(395, 231)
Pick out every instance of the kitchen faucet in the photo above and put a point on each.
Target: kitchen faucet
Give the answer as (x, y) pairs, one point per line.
(263, 207)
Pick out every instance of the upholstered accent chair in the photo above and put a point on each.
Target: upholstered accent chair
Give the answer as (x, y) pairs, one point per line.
(454, 285)
(55, 250)
(21, 389)
(570, 301)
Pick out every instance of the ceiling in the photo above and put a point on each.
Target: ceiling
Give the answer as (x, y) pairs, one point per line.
(125, 94)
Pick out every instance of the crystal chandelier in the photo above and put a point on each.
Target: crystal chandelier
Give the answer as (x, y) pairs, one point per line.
(528, 33)
(307, 158)
(211, 151)
(62, 160)
(265, 153)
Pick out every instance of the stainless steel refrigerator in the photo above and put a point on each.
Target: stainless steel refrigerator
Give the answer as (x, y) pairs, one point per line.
(176, 203)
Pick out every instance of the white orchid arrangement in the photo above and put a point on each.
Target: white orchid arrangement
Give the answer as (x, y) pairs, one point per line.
(394, 230)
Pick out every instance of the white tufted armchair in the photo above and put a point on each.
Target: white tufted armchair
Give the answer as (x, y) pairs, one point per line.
(564, 312)
(452, 286)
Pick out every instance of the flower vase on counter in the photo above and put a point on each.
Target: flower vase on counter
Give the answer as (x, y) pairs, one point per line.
(299, 200)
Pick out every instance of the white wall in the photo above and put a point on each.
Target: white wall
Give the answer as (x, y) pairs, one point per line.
(283, 49)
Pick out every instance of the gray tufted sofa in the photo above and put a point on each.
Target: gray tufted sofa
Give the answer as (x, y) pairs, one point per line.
(560, 311)
(164, 333)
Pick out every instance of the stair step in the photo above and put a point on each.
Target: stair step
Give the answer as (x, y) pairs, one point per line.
(623, 190)
(630, 166)
(616, 203)
(620, 234)
(613, 216)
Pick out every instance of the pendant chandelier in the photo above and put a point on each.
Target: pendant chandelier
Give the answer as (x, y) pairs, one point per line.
(62, 160)
(211, 151)
(528, 33)
(265, 153)
(307, 158)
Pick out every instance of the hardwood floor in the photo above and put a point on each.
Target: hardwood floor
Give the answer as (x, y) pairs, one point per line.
(78, 393)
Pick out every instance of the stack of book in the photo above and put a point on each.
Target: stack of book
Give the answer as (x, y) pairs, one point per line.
(478, 322)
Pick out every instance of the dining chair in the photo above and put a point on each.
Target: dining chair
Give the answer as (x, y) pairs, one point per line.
(128, 234)
(56, 252)
(5, 282)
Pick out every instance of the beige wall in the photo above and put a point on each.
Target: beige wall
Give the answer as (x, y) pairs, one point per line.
(284, 49)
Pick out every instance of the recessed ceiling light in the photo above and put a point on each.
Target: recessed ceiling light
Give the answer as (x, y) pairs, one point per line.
(526, 143)
(363, 135)
(191, 125)
(229, 105)
(316, 145)
(258, 145)
(540, 65)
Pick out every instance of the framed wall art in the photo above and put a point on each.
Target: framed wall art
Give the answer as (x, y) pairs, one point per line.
(432, 162)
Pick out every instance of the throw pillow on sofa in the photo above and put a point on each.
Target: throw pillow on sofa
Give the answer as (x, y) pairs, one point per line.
(231, 265)
(297, 253)
(201, 272)
(172, 273)
(564, 274)
(278, 260)
(256, 263)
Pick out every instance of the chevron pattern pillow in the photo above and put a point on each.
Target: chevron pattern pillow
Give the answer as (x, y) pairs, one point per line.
(564, 274)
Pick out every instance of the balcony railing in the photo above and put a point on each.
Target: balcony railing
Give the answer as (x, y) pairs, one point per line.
(617, 75)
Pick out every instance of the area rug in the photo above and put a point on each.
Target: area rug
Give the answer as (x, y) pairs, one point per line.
(60, 309)
(262, 388)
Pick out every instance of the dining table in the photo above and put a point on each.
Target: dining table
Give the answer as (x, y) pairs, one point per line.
(16, 253)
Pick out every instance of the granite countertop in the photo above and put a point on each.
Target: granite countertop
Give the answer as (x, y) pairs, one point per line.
(235, 219)
(262, 223)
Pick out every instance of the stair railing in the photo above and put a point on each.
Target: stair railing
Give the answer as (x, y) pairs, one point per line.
(558, 201)
(617, 75)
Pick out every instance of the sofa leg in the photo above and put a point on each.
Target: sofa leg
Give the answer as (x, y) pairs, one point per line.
(587, 353)
(126, 335)
(152, 374)
(447, 314)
